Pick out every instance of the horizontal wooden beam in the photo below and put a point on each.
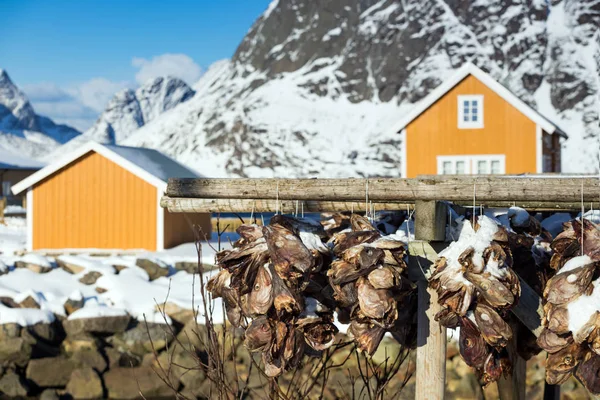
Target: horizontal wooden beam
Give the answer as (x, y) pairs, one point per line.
(194, 205)
(533, 205)
(490, 188)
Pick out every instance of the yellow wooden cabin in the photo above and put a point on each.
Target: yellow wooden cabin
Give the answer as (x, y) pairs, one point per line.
(471, 124)
(106, 197)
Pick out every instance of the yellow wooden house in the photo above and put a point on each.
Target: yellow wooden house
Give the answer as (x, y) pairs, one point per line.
(471, 124)
(106, 197)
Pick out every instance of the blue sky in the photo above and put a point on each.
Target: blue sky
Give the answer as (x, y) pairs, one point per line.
(69, 57)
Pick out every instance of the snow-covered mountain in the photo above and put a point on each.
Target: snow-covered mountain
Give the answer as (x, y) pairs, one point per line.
(130, 109)
(314, 87)
(22, 131)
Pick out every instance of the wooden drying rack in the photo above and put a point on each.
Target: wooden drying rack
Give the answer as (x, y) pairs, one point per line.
(430, 197)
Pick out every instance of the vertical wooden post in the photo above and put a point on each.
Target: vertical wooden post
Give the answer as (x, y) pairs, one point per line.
(430, 225)
(551, 392)
(2, 206)
(430, 220)
(513, 387)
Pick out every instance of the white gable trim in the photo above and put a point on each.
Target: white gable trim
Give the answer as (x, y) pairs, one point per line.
(403, 155)
(29, 218)
(462, 73)
(539, 149)
(80, 152)
(160, 222)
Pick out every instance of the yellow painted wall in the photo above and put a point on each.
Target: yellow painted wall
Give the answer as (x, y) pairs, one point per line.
(435, 132)
(94, 203)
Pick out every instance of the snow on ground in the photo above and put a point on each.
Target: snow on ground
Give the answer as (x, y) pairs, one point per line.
(12, 210)
(13, 236)
(129, 291)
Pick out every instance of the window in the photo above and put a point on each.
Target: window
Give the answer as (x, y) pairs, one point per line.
(451, 166)
(5, 188)
(470, 111)
(479, 164)
(447, 167)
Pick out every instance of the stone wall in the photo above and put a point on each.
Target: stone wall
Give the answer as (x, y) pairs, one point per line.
(104, 357)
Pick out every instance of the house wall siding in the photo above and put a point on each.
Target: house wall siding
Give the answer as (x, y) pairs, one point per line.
(13, 176)
(94, 203)
(435, 132)
(178, 228)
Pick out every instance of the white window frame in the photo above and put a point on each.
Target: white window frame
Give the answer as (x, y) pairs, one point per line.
(471, 163)
(460, 112)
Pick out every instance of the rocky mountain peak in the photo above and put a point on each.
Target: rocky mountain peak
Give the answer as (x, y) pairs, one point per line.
(22, 131)
(15, 110)
(311, 73)
(130, 109)
(161, 94)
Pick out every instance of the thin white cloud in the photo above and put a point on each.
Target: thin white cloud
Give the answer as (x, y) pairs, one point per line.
(45, 91)
(77, 105)
(177, 65)
(80, 104)
(96, 92)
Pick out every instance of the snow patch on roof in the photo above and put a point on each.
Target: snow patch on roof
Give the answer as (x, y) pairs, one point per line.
(10, 160)
(154, 162)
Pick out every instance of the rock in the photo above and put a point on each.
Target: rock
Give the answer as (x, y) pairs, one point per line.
(69, 266)
(155, 268)
(143, 338)
(39, 348)
(100, 290)
(388, 348)
(50, 371)
(126, 383)
(119, 268)
(10, 330)
(9, 302)
(89, 358)
(37, 268)
(175, 312)
(29, 302)
(113, 356)
(85, 384)
(43, 331)
(119, 359)
(452, 349)
(90, 278)
(183, 364)
(189, 334)
(108, 324)
(79, 342)
(15, 350)
(72, 305)
(49, 394)
(193, 377)
(189, 267)
(12, 385)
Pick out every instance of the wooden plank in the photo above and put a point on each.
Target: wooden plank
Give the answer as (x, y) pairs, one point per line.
(431, 336)
(194, 205)
(551, 392)
(197, 205)
(430, 220)
(450, 188)
(529, 310)
(533, 205)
